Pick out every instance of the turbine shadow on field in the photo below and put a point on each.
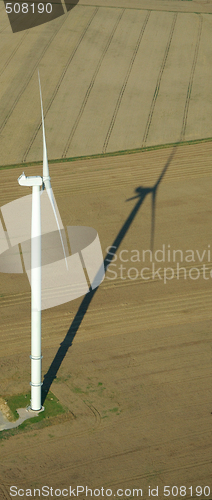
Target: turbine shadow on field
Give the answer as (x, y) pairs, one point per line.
(35, 14)
(141, 193)
(70, 4)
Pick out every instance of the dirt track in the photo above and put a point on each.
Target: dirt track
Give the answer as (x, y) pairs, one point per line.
(138, 373)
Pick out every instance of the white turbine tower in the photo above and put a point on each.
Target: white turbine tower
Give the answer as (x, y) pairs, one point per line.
(38, 183)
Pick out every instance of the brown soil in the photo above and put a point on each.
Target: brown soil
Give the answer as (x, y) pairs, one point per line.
(137, 372)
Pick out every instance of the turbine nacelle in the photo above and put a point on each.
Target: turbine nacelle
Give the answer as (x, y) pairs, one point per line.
(32, 180)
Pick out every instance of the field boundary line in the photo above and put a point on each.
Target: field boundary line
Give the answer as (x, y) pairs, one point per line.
(122, 152)
(157, 88)
(56, 89)
(133, 179)
(118, 103)
(25, 85)
(13, 52)
(190, 84)
(87, 94)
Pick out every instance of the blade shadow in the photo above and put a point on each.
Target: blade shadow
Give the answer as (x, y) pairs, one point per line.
(37, 14)
(154, 193)
(141, 193)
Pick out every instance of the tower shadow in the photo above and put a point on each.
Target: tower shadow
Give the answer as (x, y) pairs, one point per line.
(141, 193)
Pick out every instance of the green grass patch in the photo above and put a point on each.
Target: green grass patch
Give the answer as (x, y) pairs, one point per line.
(90, 388)
(113, 153)
(52, 413)
(114, 410)
(77, 390)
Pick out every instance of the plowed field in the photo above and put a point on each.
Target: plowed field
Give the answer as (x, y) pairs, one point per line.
(136, 363)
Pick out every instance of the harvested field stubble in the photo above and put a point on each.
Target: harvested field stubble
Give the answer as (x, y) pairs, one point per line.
(136, 370)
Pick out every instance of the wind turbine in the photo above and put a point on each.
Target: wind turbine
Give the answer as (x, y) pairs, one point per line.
(38, 184)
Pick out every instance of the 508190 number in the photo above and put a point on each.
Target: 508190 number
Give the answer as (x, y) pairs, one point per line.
(26, 8)
(182, 491)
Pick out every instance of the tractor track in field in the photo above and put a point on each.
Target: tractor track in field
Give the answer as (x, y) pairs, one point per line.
(95, 412)
(72, 433)
(108, 283)
(146, 475)
(191, 79)
(132, 178)
(94, 324)
(13, 52)
(57, 87)
(126, 171)
(102, 184)
(124, 480)
(30, 76)
(86, 463)
(6, 25)
(121, 94)
(90, 87)
(157, 88)
(78, 434)
(4, 494)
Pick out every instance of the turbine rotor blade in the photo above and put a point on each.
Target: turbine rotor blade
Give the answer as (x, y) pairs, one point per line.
(45, 158)
(46, 176)
(51, 199)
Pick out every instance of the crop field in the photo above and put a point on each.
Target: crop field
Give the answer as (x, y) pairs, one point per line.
(134, 367)
(113, 78)
(132, 361)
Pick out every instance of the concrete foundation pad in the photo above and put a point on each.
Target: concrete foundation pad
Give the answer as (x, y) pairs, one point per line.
(24, 414)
